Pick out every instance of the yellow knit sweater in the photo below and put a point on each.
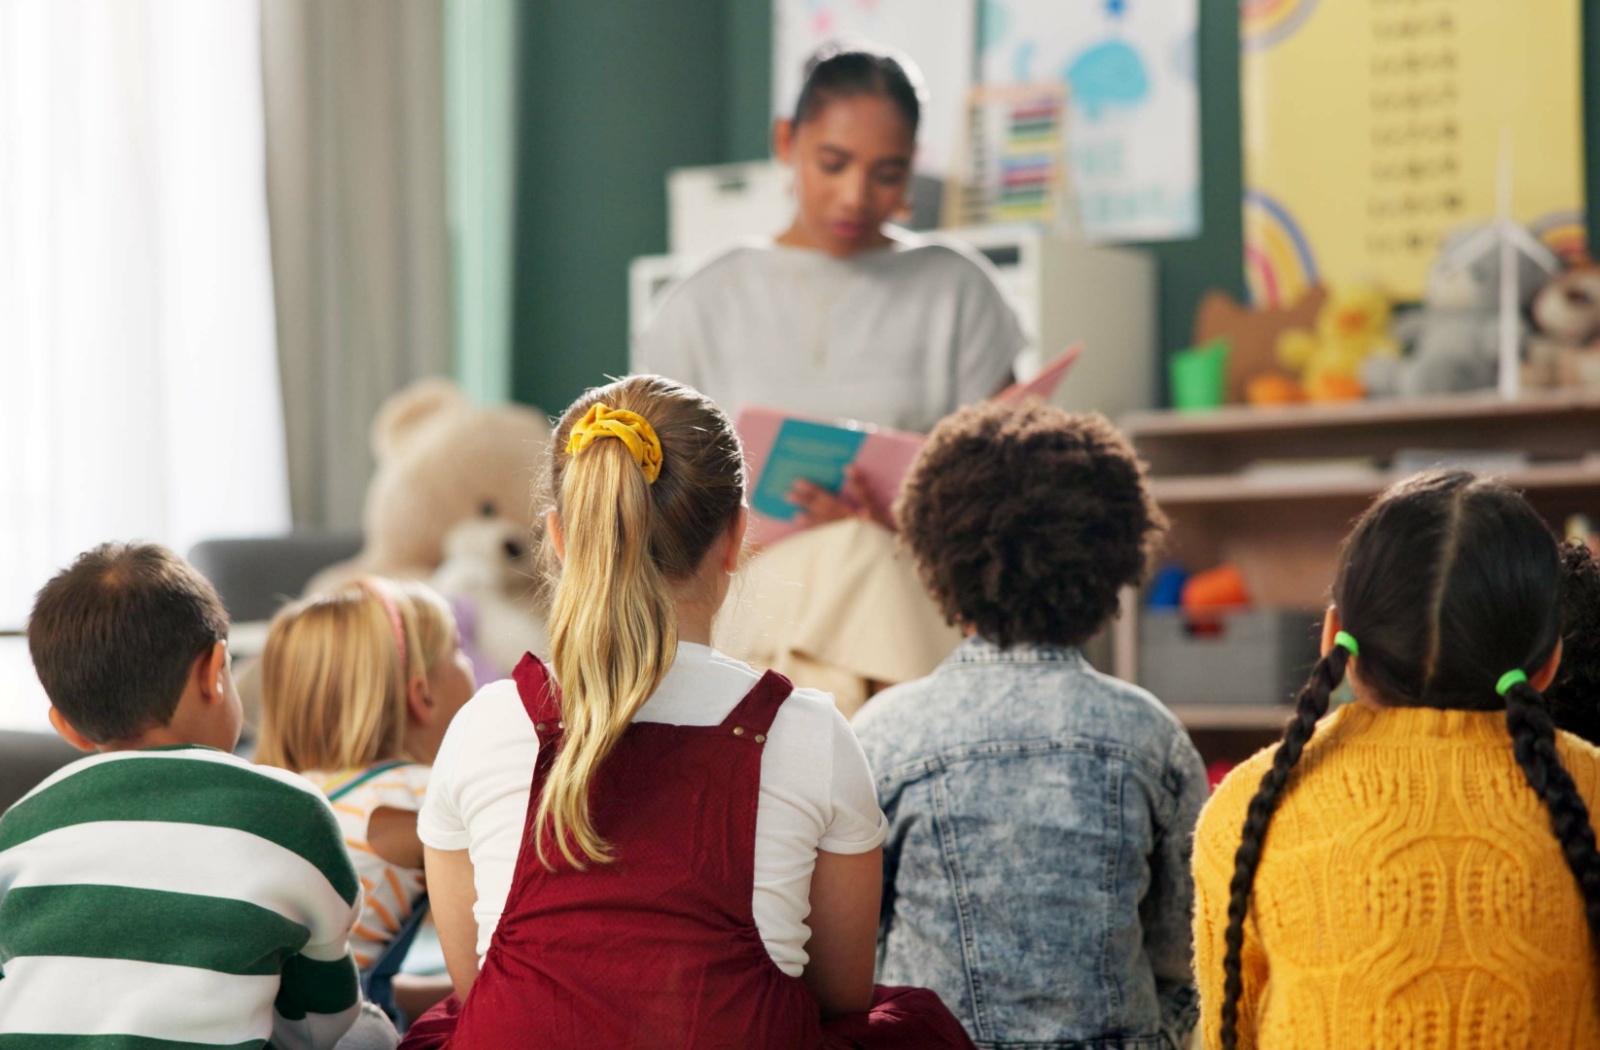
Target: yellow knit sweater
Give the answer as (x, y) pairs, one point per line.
(1410, 894)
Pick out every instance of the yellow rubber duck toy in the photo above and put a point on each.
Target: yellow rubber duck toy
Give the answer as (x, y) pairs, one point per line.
(1352, 326)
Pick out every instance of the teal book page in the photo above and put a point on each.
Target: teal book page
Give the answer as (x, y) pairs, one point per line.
(814, 452)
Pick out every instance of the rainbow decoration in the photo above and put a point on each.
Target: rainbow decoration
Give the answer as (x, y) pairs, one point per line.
(1264, 23)
(1565, 232)
(1278, 263)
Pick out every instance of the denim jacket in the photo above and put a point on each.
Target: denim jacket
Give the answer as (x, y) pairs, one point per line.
(1036, 873)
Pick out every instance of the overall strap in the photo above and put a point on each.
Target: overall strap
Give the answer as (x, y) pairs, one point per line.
(754, 714)
(537, 690)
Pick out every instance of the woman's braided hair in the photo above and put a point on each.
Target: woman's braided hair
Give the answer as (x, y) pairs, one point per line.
(1487, 602)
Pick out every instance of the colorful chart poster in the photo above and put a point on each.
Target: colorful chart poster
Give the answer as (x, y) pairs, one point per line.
(1372, 127)
(1133, 122)
(939, 35)
(1014, 159)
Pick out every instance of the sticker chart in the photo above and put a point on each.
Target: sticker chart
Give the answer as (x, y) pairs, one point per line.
(1406, 103)
(1014, 159)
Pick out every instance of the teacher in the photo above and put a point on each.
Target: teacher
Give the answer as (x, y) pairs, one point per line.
(842, 314)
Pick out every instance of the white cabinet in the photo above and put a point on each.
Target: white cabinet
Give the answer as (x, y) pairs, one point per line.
(1065, 292)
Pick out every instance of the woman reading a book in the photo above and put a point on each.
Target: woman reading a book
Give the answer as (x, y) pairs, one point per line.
(842, 315)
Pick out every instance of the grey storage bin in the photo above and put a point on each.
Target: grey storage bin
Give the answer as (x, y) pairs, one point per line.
(1260, 656)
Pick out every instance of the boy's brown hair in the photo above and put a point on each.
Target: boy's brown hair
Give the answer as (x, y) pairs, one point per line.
(114, 636)
(1026, 521)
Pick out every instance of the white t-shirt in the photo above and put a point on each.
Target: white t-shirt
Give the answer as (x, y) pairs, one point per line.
(816, 790)
(900, 335)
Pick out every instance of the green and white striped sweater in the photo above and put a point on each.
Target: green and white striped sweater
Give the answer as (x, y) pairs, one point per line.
(174, 898)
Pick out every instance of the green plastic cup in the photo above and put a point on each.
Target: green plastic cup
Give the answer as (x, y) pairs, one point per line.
(1199, 376)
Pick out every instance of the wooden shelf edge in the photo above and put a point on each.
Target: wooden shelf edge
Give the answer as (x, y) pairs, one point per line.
(1246, 419)
(1240, 488)
(1232, 716)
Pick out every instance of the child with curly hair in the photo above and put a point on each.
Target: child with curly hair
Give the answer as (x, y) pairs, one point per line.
(1431, 877)
(1036, 871)
(1574, 696)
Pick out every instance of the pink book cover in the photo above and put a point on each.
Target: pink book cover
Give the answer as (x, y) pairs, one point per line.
(781, 447)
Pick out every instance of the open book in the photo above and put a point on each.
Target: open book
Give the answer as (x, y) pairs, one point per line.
(781, 448)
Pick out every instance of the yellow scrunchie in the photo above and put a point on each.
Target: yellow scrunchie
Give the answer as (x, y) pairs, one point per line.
(628, 427)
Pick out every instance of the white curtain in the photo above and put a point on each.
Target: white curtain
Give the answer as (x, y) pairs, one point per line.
(138, 379)
(360, 245)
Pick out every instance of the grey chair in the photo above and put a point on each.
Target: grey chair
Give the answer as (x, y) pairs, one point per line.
(26, 759)
(256, 576)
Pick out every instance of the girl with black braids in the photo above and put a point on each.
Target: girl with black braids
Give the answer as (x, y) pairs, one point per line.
(1419, 869)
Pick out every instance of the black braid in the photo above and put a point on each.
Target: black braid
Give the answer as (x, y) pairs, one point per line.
(1533, 739)
(1310, 705)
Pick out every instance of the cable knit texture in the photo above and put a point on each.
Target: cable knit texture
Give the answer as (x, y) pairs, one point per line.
(1411, 893)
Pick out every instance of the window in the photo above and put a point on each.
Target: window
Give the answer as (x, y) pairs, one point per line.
(139, 390)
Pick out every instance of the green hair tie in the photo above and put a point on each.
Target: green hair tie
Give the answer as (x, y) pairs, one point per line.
(1347, 641)
(1507, 680)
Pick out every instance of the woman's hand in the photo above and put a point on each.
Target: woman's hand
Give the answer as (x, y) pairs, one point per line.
(854, 501)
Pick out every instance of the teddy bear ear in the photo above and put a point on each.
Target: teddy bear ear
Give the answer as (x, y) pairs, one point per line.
(404, 413)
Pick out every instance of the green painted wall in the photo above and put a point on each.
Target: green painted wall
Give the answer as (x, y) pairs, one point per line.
(1591, 117)
(1215, 259)
(722, 115)
(611, 94)
(749, 79)
(481, 136)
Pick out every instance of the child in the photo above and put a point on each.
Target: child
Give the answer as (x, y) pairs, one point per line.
(1574, 696)
(1039, 812)
(667, 849)
(163, 891)
(358, 687)
(1418, 869)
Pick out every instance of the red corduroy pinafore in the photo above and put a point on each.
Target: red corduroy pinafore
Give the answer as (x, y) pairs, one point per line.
(658, 949)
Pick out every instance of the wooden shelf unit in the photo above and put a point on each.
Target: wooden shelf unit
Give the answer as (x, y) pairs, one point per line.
(1265, 717)
(1283, 531)
(1218, 489)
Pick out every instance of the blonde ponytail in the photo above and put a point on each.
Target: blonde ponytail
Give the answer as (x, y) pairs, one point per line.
(632, 528)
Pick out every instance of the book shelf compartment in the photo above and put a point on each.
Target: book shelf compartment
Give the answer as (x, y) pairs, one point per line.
(1284, 529)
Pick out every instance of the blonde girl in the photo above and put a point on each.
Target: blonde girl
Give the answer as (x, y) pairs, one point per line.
(358, 687)
(668, 848)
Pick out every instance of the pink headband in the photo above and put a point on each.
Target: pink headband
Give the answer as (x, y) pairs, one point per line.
(382, 594)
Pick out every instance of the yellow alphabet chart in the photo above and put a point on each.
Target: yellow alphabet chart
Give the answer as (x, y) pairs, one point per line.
(1373, 127)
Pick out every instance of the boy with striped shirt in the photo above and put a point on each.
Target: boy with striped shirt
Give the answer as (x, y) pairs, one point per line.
(162, 892)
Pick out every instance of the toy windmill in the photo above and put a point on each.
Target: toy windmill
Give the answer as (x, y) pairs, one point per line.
(1524, 263)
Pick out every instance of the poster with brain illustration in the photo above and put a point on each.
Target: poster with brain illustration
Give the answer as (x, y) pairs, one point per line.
(1374, 127)
(1132, 122)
